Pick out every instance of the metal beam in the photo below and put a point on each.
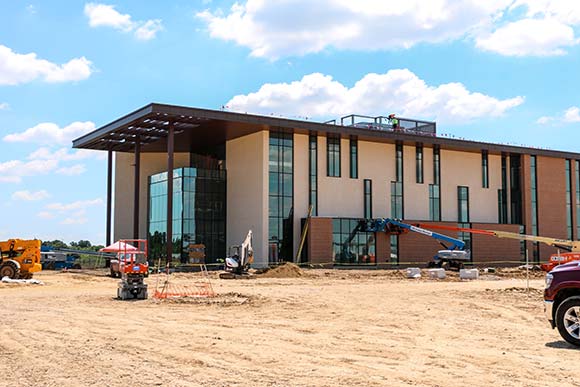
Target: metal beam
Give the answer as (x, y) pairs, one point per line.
(170, 146)
(109, 193)
(136, 189)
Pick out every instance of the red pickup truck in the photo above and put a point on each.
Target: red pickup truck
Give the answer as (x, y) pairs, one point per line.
(562, 300)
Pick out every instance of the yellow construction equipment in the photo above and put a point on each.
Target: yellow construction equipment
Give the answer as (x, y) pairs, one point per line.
(19, 258)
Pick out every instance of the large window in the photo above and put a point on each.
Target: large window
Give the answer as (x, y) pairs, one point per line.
(399, 162)
(281, 165)
(569, 214)
(516, 189)
(502, 193)
(352, 247)
(313, 173)
(353, 158)
(199, 213)
(394, 258)
(462, 204)
(397, 203)
(333, 155)
(484, 169)
(397, 200)
(466, 237)
(419, 163)
(368, 198)
(434, 203)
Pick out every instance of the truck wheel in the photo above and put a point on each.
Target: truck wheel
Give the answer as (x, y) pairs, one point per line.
(568, 320)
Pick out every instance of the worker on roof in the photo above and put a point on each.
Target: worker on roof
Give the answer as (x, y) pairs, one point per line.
(394, 121)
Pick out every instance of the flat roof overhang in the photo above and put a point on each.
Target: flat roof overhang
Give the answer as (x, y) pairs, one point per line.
(197, 128)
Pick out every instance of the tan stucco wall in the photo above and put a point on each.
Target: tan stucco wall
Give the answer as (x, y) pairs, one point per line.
(151, 163)
(247, 192)
(463, 168)
(416, 195)
(343, 197)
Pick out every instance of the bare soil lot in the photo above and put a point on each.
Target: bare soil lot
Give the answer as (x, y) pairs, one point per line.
(324, 328)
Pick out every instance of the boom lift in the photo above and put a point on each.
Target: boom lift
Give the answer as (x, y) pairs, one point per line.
(239, 259)
(572, 247)
(452, 257)
(19, 258)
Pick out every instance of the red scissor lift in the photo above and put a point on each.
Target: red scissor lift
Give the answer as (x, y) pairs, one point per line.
(134, 267)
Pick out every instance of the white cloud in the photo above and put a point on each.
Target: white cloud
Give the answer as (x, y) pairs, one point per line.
(31, 9)
(74, 170)
(538, 37)
(30, 196)
(103, 15)
(22, 68)
(565, 11)
(273, 29)
(148, 30)
(14, 170)
(45, 215)
(48, 132)
(544, 120)
(75, 206)
(79, 217)
(4, 106)
(63, 154)
(572, 114)
(399, 91)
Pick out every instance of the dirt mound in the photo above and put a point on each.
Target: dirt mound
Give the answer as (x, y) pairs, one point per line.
(287, 270)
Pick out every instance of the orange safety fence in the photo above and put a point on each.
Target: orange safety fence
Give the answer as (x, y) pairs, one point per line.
(167, 288)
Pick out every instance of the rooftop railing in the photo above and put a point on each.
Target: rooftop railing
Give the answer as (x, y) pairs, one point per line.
(403, 125)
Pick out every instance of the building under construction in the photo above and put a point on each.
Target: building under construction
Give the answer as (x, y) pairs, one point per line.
(233, 172)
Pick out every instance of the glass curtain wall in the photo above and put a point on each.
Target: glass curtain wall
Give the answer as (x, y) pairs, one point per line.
(350, 246)
(313, 173)
(397, 203)
(281, 174)
(199, 213)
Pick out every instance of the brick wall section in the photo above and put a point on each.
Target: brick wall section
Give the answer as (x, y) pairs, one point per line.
(492, 249)
(320, 240)
(551, 201)
(383, 248)
(415, 248)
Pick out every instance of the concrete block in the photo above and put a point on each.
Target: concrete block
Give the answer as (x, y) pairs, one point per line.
(469, 274)
(413, 272)
(436, 273)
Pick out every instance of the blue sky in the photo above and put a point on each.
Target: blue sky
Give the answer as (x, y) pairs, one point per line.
(498, 71)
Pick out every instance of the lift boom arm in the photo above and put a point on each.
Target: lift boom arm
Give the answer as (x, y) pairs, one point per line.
(386, 225)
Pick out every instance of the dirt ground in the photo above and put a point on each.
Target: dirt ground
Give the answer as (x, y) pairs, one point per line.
(322, 328)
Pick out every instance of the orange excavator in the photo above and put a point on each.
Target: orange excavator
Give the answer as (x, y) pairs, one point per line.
(572, 248)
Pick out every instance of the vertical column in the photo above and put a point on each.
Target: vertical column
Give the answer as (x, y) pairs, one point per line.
(136, 188)
(109, 194)
(170, 144)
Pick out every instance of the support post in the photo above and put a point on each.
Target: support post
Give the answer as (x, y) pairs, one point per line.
(170, 144)
(109, 194)
(136, 190)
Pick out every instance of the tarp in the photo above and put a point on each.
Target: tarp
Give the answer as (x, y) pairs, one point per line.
(118, 247)
(22, 281)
